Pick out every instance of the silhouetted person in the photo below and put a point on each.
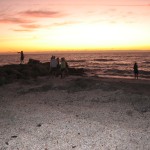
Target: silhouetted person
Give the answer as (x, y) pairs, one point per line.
(53, 66)
(63, 67)
(58, 64)
(21, 57)
(136, 71)
(58, 67)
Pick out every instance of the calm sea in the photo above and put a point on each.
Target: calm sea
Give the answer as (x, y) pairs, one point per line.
(108, 64)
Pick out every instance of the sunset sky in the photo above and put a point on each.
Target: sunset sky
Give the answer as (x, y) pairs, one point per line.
(47, 25)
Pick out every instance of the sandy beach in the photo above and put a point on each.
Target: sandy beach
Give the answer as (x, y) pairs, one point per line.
(81, 113)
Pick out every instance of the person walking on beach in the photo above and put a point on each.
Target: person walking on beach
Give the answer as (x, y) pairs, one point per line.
(136, 71)
(21, 57)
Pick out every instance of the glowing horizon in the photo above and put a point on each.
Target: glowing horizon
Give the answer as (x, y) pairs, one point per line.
(79, 25)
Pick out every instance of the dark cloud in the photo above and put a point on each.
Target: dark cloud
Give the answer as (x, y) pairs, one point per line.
(42, 14)
(14, 20)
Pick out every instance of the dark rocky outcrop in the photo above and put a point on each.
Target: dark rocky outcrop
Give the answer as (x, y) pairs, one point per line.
(33, 69)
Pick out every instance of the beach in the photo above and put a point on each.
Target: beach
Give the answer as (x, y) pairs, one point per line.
(77, 112)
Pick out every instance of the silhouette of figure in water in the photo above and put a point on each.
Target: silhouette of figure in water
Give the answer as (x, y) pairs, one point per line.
(136, 71)
(21, 57)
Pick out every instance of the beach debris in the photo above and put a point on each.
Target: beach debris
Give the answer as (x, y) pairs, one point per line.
(6, 143)
(74, 146)
(14, 136)
(39, 125)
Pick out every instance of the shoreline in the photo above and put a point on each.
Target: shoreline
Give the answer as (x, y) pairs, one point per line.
(34, 69)
(97, 64)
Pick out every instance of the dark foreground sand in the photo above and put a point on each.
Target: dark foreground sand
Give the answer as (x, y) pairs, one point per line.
(81, 113)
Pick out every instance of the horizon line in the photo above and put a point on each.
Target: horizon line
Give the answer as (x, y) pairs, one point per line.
(73, 51)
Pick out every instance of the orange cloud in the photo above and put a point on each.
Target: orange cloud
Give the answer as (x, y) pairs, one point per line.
(22, 30)
(27, 27)
(31, 26)
(14, 20)
(42, 14)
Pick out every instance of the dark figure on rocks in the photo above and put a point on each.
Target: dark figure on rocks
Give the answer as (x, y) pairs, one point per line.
(136, 71)
(21, 57)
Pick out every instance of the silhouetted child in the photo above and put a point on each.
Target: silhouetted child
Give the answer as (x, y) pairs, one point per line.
(136, 71)
(21, 57)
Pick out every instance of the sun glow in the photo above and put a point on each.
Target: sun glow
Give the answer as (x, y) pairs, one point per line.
(89, 36)
(74, 25)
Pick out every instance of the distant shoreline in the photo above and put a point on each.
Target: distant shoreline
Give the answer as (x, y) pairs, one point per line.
(73, 51)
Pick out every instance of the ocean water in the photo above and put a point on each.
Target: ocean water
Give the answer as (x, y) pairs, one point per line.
(102, 64)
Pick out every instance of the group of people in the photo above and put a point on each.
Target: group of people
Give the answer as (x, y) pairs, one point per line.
(58, 67)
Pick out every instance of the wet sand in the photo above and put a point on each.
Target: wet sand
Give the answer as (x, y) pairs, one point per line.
(81, 113)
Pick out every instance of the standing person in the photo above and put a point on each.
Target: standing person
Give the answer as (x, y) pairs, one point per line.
(136, 71)
(21, 57)
(63, 67)
(58, 64)
(53, 66)
(58, 67)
